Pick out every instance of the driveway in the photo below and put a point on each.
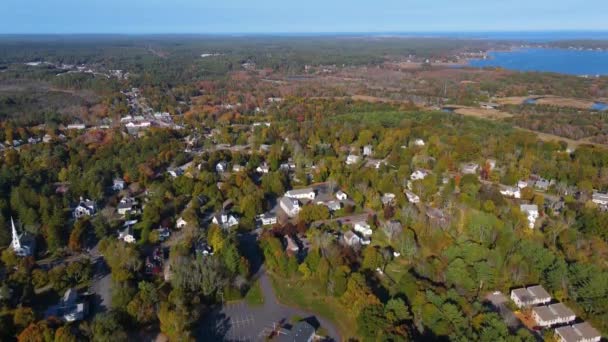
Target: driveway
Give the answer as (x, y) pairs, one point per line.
(499, 301)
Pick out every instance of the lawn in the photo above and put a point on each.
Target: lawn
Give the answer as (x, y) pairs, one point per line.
(254, 296)
(302, 295)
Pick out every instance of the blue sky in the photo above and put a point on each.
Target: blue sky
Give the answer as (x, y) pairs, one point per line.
(288, 16)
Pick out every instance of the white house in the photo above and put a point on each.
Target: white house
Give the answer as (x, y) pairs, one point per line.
(388, 198)
(306, 193)
(84, 208)
(264, 168)
(292, 246)
(237, 168)
(418, 142)
(126, 205)
(511, 191)
(118, 184)
(412, 197)
(469, 168)
(127, 235)
(531, 212)
(600, 198)
(522, 184)
(351, 239)
(352, 159)
(221, 167)
(225, 220)
(419, 174)
(548, 315)
(368, 150)
(268, 219)
(180, 223)
(332, 205)
(363, 228)
(529, 296)
(581, 332)
(290, 206)
(341, 195)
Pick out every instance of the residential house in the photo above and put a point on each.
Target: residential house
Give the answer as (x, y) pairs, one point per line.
(118, 184)
(491, 163)
(522, 184)
(418, 142)
(531, 212)
(351, 239)
(202, 248)
(368, 150)
(412, 197)
(580, 332)
(225, 220)
(84, 208)
(76, 126)
(488, 105)
(352, 159)
(511, 191)
(548, 315)
(469, 168)
(388, 199)
(268, 219)
(341, 195)
(70, 308)
(529, 296)
(175, 172)
(221, 166)
(163, 233)
(543, 184)
(374, 163)
(127, 234)
(306, 193)
(600, 198)
(363, 228)
(419, 174)
(237, 168)
(291, 247)
(290, 206)
(264, 168)
(300, 332)
(180, 223)
(126, 205)
(332, 205)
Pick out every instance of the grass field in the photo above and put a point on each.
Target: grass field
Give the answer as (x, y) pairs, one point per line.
(254, 296)
(294, 293)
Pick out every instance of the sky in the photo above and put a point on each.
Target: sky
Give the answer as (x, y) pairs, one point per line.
(304, 16)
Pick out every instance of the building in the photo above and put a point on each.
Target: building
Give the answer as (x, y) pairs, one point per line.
(352, 159)
(600, 198)
(418, 142)
(528, 296)
(84, 208)
(221, 167)
(290, 245)
(522, 184)
(237, 168)
(21, 247)
(581, 332)
(69, 308)
(332, 205)
(306, 193)
(180, 223)
(225, 220)
(351, 239)
(341, 195)
(127, 234)
(412, 197)
(543, 184)
(290, 206)
(76, 126)
(268, 219)
(118, 184)
(488, 105)
(163, 233)
(363, 228)
(531, 212)
(418, 175)
(126, 205)
(548, 315)
(368, 150)
(388, 199)
(511, 191)
(300, 332)
(469, 168)
(264, 168)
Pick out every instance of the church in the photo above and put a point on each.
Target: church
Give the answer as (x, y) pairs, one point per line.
(22, 244)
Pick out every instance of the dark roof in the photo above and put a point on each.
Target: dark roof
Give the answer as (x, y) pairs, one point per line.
(300, 332)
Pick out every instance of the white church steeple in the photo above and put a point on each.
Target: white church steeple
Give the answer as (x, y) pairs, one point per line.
(18, 247)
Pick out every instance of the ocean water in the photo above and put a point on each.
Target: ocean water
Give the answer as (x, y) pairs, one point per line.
(563, 61)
